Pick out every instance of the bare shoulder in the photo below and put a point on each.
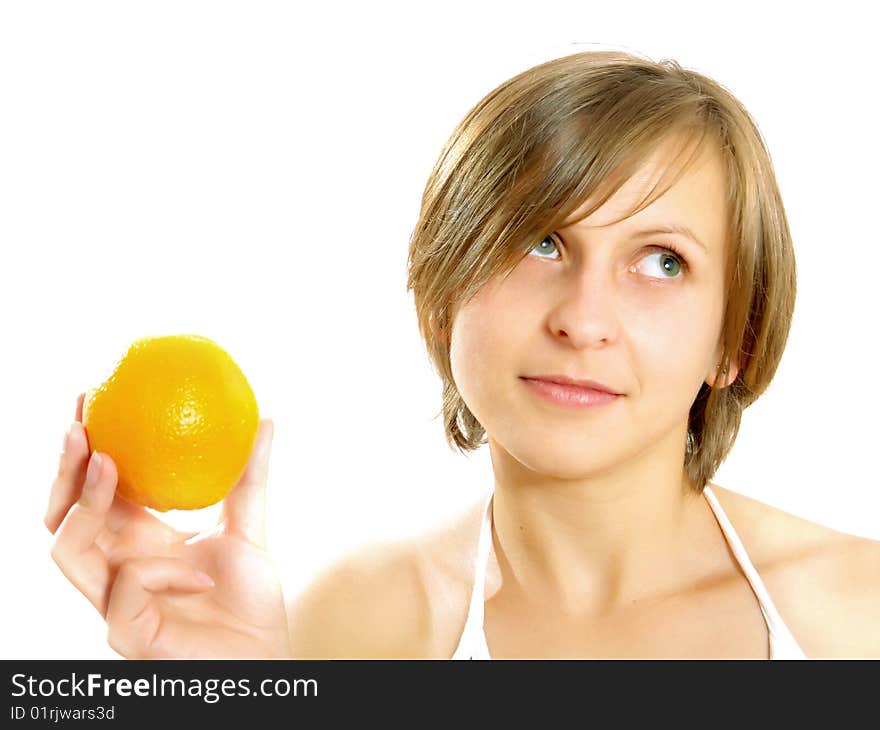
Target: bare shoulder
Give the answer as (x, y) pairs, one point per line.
(370, 604)
(404, 599)
(824, 582)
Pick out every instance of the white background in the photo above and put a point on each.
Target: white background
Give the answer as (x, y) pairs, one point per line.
(252, 172)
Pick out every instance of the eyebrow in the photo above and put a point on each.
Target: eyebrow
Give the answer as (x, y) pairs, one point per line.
(678, 228)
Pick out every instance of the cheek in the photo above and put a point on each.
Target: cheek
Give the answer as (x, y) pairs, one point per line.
(483, 347)
(672, 345)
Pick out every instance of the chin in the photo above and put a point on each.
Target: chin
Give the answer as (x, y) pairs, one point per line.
(565, 463)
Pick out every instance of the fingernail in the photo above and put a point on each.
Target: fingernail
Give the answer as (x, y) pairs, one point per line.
(93, 470)
(65, 442)
(266, 441)
(71, 434)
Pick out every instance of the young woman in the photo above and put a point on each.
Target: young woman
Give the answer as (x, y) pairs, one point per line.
(604, 278)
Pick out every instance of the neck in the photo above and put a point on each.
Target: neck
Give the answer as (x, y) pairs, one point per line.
(604, 541)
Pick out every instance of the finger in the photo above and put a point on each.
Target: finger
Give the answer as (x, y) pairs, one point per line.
(147, 530)
(75, 550)
(71, 470)
(244, 509)
(132, 615)
(69, 478)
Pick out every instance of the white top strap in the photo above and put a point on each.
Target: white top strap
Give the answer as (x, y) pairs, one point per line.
(472, 644)
(782, 643)
(473, 639)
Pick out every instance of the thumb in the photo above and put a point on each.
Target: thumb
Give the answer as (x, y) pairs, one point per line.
(244, 509)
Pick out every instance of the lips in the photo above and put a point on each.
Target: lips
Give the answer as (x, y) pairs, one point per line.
(582, 383)
(568, 395)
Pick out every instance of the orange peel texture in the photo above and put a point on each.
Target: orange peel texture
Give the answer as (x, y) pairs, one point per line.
(178, 418)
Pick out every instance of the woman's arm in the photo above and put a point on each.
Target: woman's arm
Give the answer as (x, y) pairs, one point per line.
(830, 598)
(856, 618)
(371, 605)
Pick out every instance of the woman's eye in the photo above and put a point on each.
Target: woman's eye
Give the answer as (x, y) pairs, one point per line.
(668, 265)
(545, 245)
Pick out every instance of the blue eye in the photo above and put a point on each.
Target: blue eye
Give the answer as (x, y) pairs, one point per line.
(540, 245)
(671, 262)
(668, 263)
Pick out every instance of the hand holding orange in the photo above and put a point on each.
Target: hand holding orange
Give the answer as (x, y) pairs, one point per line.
(178, 418)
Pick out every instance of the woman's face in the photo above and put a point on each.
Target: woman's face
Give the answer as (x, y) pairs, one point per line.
(605, 302)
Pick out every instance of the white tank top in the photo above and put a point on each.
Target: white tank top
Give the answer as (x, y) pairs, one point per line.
(472, 644)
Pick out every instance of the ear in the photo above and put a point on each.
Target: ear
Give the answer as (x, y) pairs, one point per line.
(718, 378)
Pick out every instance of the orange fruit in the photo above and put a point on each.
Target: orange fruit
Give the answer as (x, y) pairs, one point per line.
(179, 420)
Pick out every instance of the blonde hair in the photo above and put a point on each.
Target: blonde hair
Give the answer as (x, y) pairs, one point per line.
(543, 142)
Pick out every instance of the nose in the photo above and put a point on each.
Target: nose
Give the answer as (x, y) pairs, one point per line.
(587, 313)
